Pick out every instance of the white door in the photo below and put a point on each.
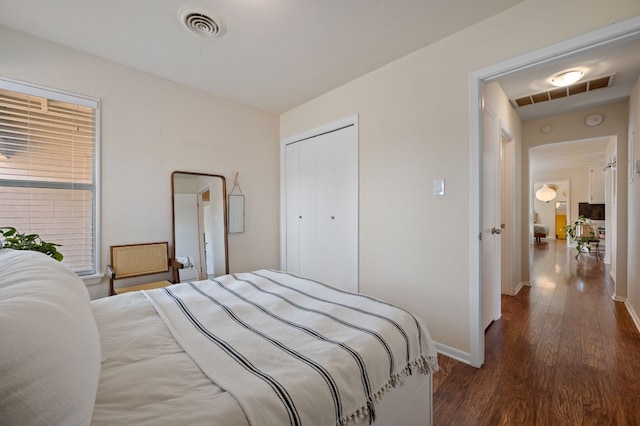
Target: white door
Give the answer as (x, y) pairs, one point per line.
(292, 208)
(321, 205)
(336, 156)
(209, 248)
(310, 263)
(491, 247)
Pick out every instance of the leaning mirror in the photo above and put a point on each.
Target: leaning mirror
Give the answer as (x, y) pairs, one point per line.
(199, 225)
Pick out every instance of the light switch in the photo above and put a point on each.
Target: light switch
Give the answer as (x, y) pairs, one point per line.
(438, 187)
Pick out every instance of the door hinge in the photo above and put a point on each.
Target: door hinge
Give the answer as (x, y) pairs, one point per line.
(480, 236)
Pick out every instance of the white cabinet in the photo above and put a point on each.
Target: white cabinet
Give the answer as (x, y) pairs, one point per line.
(321, 207)
(596, 185)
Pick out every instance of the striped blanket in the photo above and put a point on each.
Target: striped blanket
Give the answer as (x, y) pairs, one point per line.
(291, 350)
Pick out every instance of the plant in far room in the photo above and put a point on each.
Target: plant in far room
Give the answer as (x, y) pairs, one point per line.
(12, 239)
(576, 231)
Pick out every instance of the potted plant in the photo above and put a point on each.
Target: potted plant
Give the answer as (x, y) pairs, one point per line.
(581, 231)
(13, 239)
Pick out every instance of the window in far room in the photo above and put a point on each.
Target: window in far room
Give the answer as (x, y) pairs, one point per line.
(48, 169)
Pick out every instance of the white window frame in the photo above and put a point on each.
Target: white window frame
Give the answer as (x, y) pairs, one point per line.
(58, 95)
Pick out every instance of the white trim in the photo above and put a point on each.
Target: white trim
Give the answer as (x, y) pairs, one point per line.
(476, 332)
(519, 287)
(454, 353)
(617, 298)
(92, 279)
(632, 312)
(47, 92)
(612, 34)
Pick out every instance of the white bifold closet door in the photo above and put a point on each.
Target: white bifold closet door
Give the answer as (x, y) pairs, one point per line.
(321, 185)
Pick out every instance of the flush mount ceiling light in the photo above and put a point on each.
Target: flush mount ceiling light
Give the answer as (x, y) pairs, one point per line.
(201, 23)
(566, 78)
(545, 193)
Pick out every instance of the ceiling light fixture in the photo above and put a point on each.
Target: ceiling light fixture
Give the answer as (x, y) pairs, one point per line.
(545, 193)
(566, 78)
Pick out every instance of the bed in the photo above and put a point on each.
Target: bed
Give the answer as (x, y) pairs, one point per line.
(264, 348)
(540, 231)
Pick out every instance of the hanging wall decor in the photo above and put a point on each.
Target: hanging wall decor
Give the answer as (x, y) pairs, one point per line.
(236, 208)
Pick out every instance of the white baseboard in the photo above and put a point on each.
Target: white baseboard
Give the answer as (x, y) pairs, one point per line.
(454, 353)
(632, 312)
(617, 298)
(520, 285)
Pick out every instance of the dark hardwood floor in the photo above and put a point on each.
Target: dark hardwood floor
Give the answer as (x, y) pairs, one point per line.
(563, 353)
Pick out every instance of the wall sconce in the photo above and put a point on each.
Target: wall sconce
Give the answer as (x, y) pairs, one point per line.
(545, 193)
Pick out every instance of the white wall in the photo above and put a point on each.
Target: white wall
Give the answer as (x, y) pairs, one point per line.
(414, 128)
(152, 127)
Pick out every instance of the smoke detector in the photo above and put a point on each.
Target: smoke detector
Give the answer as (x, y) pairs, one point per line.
(201, 23)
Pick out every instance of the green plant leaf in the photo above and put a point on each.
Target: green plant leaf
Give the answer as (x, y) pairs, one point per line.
(17, 241)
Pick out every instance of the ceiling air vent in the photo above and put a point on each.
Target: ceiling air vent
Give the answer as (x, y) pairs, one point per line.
(557, 93)
(202, 23)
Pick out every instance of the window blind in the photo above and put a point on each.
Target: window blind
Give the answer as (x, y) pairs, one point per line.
(48, 173)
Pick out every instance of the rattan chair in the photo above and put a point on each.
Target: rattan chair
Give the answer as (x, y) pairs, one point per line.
(137, 260)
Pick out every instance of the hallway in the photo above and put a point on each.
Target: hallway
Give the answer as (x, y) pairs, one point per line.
(563, 353)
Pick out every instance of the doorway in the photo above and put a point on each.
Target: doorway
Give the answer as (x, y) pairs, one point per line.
(613, 34)
(561, 220)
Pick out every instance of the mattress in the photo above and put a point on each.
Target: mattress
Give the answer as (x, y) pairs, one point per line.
(147, 377)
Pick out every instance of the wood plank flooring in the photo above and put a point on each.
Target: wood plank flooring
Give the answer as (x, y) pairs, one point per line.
(563, 353)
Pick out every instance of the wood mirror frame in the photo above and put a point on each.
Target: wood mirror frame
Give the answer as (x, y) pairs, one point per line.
(199, 222)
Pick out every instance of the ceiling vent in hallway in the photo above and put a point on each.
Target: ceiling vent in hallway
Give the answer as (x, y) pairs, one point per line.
(562, 92)
(202, 23)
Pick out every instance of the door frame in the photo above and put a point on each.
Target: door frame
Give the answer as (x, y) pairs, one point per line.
(532, 196)
(492, 242)
(615, 33)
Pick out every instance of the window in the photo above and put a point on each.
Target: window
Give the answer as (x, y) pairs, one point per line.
(48, 169)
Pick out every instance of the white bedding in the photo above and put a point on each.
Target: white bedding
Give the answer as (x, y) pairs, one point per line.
(49, 343)
(147, 378)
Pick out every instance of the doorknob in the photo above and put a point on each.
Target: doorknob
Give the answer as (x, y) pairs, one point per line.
(495, 231)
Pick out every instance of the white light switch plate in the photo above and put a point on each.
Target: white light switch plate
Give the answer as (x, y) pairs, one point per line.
(438, 187)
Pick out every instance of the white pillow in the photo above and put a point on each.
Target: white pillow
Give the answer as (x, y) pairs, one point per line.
(49, 343)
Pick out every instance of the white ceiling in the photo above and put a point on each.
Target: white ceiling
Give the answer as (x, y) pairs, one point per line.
(275, 54)
(622, 59)
(568, 155)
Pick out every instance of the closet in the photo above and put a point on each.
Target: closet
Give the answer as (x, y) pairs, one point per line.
(321, 205)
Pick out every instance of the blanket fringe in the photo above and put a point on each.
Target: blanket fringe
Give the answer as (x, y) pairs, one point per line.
(425, 365)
